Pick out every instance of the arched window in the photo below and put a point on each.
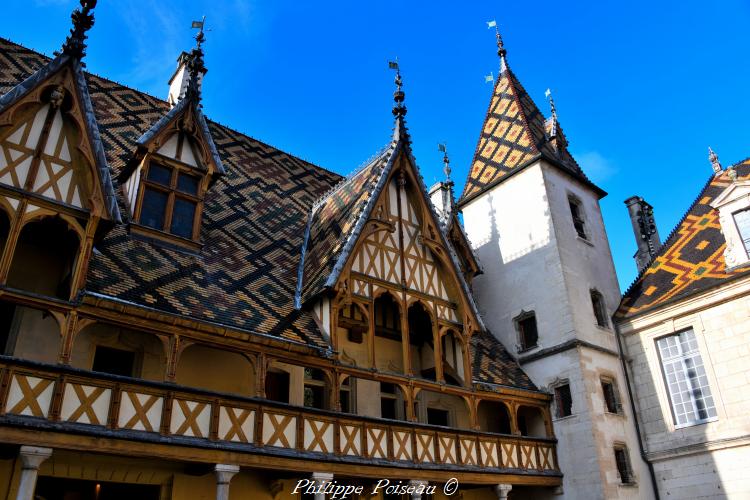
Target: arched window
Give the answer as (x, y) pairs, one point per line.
(387, 317)
(353, 319)
(316, 389)
(531, 421)
(4, 229)
(44, 258)
(493, 417)
(453, 358)
(421, 342)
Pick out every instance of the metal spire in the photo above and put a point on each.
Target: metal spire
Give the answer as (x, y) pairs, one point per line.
(399, 109)
(83, 20)
(500, 47)
(714, 159)
(195, 65)
(553, 110)
(446, 162)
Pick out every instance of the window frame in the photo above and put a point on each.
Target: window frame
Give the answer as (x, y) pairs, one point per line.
(665, 380)
(745, 246)
(617, 402)
(558, 414)
(578, 217)
(172, 193)
(599, 307)
(631, 479)
(524, 316)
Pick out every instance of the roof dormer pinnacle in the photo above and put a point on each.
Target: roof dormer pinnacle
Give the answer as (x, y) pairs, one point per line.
(83, 20)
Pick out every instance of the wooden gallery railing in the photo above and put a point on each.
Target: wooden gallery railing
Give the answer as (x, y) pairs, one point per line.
(90, 401)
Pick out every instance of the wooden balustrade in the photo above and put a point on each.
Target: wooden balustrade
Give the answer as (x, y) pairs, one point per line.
(101, 402)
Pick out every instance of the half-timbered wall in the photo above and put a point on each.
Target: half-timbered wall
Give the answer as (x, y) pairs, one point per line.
(56, 175)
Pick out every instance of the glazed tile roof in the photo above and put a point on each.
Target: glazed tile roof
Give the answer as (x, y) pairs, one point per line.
(332, 222)
(493, 365)
(691, 260)
(513, 136)
(254, 221)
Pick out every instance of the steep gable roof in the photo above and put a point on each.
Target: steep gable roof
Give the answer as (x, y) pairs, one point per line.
(16, 91)
(333, 223)
(691, 259)
(245, 275)
(514, 135)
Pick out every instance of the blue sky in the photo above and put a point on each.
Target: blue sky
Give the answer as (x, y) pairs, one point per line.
(642, 88)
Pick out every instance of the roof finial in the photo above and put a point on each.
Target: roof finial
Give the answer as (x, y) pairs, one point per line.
(195, 65)
(553, 110)
(446, 162)
(714, 159)
(83, 20)
(399, 109)
(500, 47)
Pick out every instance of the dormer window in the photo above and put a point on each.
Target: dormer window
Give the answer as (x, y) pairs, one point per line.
(170, 200)
(733, 205)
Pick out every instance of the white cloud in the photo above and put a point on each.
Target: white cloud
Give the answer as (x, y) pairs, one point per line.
(596, 166)
(157, 40)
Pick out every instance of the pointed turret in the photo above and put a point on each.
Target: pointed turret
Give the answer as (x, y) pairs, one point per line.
(514, 135)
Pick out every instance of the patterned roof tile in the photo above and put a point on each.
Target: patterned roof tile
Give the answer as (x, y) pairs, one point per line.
(691, 260)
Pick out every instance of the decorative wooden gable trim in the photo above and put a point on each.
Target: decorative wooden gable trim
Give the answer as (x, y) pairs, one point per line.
(50, 147)
(409, 252)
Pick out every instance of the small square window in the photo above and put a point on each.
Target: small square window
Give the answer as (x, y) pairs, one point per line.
(611, 400)
(159, 174)
(113, 361)
(623, 465)
(576, 211)
(187, 184)
(563, 401)
(528, 335)
(154, 208)
(438, 417)
(600, 309)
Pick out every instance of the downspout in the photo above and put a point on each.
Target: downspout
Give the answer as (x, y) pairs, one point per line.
(641, 448)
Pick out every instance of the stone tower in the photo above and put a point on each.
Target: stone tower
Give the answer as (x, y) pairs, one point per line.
(549, 288)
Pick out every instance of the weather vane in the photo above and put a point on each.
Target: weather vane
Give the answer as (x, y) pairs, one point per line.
(446, 161)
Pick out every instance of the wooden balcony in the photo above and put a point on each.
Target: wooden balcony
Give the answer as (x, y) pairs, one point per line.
(57, 398)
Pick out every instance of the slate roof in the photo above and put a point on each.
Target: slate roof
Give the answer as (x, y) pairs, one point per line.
(691, 259)
(246, 273)
(513, 136)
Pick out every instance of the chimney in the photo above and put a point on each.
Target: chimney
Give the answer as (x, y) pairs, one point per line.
(441, 195)
(179, 82)
(644, 229)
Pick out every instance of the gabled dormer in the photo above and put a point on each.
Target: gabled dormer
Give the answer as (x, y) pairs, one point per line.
(733, 205)
(381, 276)
(174, 165)
(56, 194)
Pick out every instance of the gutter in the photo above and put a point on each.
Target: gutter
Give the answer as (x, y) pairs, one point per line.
(631, 399)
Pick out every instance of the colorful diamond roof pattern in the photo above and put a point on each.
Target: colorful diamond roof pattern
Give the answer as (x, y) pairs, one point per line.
(332, 222)
(691, 260)
(513, 136)
(245, 274)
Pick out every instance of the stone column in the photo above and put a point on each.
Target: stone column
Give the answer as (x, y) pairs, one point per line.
(320, 479)
(502, 490)
(31, 458)
(417, 495)
(224, 474)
